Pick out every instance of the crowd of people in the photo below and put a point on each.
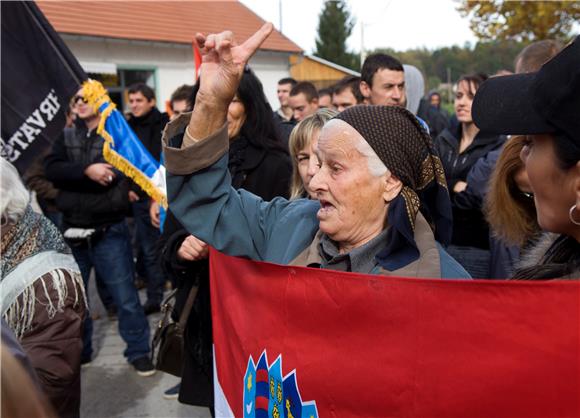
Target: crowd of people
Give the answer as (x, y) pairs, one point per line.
(369, 175)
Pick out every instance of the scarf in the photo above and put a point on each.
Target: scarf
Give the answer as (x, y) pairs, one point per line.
(34, 241)
(405, 147)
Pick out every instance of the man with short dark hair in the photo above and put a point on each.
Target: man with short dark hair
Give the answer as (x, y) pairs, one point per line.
(303, 100)
(435, 100)
(346, 93)
(181, 100)
(325, 98)
(147, 122)
(284, 113)
(383, 81)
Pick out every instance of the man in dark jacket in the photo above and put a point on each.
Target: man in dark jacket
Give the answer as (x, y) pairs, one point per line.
(147, 123)
(93, 198)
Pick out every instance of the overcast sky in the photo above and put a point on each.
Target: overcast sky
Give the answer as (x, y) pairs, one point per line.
(398, 24)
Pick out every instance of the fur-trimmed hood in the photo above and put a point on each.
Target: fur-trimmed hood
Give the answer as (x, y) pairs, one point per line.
(534, 255)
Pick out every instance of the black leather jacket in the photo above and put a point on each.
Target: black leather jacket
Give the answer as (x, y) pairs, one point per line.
(83, 202)
(469, 225)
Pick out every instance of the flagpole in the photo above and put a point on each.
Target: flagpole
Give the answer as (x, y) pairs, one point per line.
(43, 30)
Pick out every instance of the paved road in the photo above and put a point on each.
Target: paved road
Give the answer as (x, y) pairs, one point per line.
(112, 388)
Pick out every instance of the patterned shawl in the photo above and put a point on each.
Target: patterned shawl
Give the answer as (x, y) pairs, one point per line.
(36, 243)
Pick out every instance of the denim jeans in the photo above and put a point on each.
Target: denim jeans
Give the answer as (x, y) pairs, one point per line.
(111, 257)
(147, 238)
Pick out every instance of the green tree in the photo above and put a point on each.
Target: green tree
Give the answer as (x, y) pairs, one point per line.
(335, 25)
(521, 20)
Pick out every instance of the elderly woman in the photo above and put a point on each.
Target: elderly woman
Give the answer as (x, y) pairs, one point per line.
(42, 294)
(382, 200)
(544, 107)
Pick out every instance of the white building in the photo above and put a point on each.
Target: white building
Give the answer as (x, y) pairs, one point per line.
(124, 42)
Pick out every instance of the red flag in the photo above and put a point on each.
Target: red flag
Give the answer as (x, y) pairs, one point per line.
(196, 60)
(364, 345)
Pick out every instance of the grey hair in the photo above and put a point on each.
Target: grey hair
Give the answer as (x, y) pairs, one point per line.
(15, 197)
(375, 164)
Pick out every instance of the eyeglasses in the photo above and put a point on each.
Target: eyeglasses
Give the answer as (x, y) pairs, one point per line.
(77, 98)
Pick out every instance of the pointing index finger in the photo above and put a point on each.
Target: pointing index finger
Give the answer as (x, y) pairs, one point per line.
(253, 42)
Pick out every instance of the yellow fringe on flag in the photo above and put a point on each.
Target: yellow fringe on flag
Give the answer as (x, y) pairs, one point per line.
(96, 96)
(137, 176)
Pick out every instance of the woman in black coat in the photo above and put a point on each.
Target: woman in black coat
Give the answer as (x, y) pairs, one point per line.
(459, 150)
(259, 163)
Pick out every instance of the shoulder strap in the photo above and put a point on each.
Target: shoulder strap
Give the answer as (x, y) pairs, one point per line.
(188, 305)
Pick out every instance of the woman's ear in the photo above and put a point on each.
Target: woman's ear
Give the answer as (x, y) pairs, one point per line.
(393, 187)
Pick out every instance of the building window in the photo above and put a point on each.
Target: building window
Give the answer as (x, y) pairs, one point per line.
(117, 84)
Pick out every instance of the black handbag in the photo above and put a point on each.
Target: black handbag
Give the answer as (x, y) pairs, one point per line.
(167, 347)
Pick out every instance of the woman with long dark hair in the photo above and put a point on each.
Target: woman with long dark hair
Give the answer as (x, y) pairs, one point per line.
(259, 163)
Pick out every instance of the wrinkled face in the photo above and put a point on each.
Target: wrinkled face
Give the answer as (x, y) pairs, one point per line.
(179, 107)
(139, 105)
(80, 108)
(388, 88)
(301, 107)
(343, 99)
(308, 163)
(352, 202)
(283, 92)
(236, 117)
(463, 100)
(325, 101)
(555, 190)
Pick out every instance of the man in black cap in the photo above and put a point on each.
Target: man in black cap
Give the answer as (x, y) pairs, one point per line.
(544, 106)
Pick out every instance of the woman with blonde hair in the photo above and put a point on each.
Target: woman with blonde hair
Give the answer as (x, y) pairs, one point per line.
(302, 142)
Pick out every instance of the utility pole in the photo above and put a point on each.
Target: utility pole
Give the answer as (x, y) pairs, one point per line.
(449, 90)
(362, 42)
(280, 14)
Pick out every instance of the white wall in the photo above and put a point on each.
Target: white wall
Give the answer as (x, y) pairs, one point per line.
(173, 62)
(271, 67)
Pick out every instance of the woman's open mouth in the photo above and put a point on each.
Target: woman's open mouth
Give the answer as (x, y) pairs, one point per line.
(325, 209)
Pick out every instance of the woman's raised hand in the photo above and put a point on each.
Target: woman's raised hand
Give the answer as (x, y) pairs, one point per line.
(223, 62)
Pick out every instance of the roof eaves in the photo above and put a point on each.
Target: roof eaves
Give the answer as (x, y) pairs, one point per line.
(333, 65)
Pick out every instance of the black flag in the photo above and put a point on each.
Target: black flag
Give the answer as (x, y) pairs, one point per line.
(39, 76)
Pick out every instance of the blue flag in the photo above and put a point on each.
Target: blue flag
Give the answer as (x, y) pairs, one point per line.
(122, 148)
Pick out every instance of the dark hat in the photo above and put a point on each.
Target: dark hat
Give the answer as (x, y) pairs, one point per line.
(547, 101)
